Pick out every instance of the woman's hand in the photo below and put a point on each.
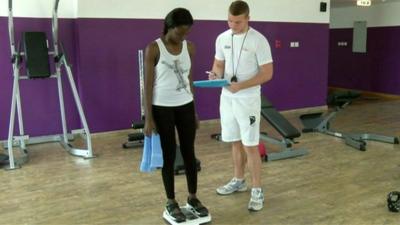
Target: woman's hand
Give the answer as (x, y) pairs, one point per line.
(149, 127)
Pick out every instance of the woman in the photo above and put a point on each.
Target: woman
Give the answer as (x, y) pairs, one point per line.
(169, 104)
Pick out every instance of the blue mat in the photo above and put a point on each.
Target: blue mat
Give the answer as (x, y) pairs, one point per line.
(211, 83)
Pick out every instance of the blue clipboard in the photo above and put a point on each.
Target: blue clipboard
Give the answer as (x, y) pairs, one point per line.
(210, 83)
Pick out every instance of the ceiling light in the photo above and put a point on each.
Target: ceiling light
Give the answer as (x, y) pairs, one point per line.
(364, 2)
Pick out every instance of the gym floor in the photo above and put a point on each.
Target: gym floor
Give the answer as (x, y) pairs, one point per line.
(333, 184)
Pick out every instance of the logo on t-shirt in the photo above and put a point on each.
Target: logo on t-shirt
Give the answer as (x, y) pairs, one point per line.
(252, 120)
(179, 73)
(227, 47)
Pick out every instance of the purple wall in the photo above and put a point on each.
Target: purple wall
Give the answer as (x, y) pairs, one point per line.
(377, 70)
(104, 53)
(300, 74)
(108, 69)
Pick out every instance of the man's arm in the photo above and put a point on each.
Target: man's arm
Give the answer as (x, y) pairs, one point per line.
(264, 75)
(217, 71)
(192, 52)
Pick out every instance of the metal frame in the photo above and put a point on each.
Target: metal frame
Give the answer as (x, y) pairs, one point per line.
(286, 130)
(60, 60)
(287, 151)
(355, 140)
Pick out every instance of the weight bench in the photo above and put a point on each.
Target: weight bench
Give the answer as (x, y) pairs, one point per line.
(284, 128)
(135, 139)
(3, 159)
(318, 122)
(179, 167)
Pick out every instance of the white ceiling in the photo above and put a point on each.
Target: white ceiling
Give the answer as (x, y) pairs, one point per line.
(345, 3)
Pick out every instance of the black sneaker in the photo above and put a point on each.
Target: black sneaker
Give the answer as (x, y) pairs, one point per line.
(195, 205)
(175, 212)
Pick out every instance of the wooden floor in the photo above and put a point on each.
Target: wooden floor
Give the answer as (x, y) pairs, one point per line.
(333, 184)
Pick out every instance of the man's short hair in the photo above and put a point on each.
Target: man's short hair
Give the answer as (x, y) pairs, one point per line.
(239, 8)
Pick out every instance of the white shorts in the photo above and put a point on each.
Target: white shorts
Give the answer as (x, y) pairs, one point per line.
(240, 119)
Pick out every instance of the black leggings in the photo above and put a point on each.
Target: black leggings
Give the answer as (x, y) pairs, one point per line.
(183, 118)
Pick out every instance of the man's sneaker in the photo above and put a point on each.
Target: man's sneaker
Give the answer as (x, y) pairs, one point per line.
(256, 202)
(196, 207)
(233, 186)
(174, 212)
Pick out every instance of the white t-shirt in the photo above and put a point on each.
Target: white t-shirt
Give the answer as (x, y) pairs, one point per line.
(254, 53)
(171, 81)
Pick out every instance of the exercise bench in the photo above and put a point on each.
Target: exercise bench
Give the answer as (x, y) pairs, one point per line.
(320, 122)
(288, 132)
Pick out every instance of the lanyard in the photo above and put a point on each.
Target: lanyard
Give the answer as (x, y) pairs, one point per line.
(234, 77)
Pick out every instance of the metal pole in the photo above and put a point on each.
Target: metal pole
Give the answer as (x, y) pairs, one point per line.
(12, 115)
(55, 27)
(15, 92)
(20, 120)
(141, 80)
(79, 106)
(77, 102)
(61, 101)
(11, 27)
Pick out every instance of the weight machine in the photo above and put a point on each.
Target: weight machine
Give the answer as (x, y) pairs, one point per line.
(37, 57)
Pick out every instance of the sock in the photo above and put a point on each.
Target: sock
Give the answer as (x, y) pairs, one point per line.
(257, 189)
(240, 180)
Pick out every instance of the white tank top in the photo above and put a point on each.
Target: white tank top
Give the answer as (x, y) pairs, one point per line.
(171, 81)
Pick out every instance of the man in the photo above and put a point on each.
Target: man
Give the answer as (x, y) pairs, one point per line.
(243, 57)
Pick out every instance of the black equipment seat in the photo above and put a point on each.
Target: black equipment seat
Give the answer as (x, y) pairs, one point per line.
(3, 159)
(312, 121)
(36, 54)
(136, 137)
(339, 98)
(138, 125)
(280, 123)
(179, 166)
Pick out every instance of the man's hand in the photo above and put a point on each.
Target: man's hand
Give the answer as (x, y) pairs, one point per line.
(234, 87)
(212, 75)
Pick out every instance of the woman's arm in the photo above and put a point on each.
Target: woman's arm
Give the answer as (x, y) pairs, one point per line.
(150, 61)
(192, 52)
